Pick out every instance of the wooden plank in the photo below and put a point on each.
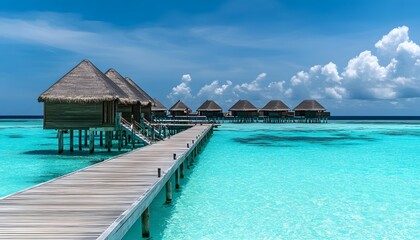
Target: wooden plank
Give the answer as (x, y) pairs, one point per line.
(99, 202)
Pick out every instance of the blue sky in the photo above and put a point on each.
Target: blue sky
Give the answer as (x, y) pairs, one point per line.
(355, 57)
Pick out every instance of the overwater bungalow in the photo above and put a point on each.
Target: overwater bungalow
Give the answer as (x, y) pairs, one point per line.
(159, 110)
(210, 109)
(244, 109)
(311, 111)
(179, 109)
(83, 99)
(146, 110)
(276, 108)
(138, 101)
(276, 111)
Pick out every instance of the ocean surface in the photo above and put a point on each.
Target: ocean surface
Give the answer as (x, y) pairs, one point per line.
(341, 180)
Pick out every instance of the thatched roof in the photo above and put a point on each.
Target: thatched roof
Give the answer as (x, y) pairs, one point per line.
(275, 105)
(179, 106)
(243, 106)
(133, 94)
(83, 84)
(158, 106)
(210, 106)
(143, 94)
(309, 105)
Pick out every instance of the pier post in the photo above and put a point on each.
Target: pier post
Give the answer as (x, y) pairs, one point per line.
(101, 142)
(91, 141)
(109, 142)
(120, 142)
(80, 139)
(145, 223)
(177, 179)
(86, 137)
(71, 140)
(168, 191)
(181, 172)
(60, 141)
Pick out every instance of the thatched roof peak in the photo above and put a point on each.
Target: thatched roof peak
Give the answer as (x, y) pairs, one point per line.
(309, 105)
(210, 105)
(275, 105)
(179, 106)
(83, 84)
(142, 94)
(133, 94)
(243, 105)
(158, 106)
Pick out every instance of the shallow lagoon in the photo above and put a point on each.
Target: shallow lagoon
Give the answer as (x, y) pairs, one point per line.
(351, 180)
(342, 180)
(28, 155)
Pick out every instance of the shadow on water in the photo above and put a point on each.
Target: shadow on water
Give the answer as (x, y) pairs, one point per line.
(46, 177)
(272, 140)
(15, 136)
(401, 133)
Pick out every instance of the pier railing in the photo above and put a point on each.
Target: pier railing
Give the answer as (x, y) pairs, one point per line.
(135, 130)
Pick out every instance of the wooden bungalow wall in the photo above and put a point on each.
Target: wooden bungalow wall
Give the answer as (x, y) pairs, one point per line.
(178, 113)
(147, 111)
(159, 114)
(211, 113)
(78, 115)
(245, 114)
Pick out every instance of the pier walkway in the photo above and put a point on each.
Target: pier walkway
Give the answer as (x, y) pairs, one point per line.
(104, 200)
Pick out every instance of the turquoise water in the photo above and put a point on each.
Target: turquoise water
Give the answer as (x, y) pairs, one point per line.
(342, 180)
(28, 155)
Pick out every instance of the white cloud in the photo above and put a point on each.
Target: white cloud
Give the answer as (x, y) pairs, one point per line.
(186, 78)
(390, 42)
(365, 66)
(182, 90)
(318, 82)
(410, 48)
(214, 88)
(253, 86)
(331, 73)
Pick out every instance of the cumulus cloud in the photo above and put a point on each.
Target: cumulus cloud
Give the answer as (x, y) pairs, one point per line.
(365, 77)
(186, 78)
(253, 86)
(390, 42)
(182, 90)
(318, 82)
(214, 88)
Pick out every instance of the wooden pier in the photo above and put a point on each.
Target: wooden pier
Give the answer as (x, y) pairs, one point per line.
(104, 200)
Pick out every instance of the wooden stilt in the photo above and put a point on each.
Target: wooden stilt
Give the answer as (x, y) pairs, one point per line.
(109, 143)
(132, 139)
(168, 191)
(60, 141)
(120, 142)
(86, 137)
(145, 223)
(80, 139)
(177, 179)
(181, 172)
(101, 143)
(71, 140)
(91, 142)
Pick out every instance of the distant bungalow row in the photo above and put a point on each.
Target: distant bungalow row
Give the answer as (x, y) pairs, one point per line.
(273, 111)
(86, 99)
